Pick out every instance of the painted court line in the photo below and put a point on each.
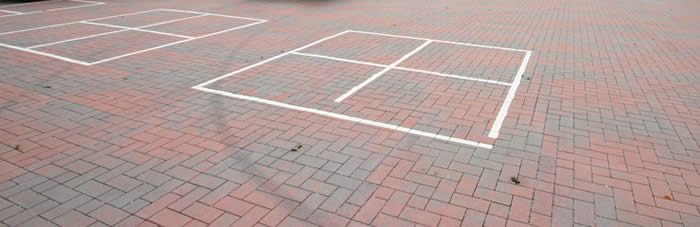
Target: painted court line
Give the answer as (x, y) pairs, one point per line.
(75, 39)
(498, 123)
(16, 14)
(138, 29)
(124, 28)
(8, 11)
(439, 41)
(403, 68)
(453, 76)
(75, 22)
(45, 54)
(345, 117)
(175, 43)
(340, 59)
(144, 26)
(380, 73)
(503, 112)
(90, 3)
(163, 33)
(74, 7)
(172, 21)
(202, 87)
(212, 14)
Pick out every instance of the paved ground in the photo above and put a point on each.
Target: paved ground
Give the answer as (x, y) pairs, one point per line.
(603, 130)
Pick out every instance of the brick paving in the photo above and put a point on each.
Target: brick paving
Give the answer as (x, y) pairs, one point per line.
(604, 128)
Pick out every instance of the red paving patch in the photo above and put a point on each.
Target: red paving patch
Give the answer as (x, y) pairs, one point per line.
(602, 131)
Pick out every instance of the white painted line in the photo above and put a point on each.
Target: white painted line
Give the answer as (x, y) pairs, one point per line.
(10, 15)
(340, 59)
(344, 117)
(479, 45)
(439, 41)
(141, 51)
(75, 22)
(163, 33)
(8, 11)
(174, 43)
(75, 39)
(72, 7)
(138, 29)
(404, 69)
(454, 76)
(493, 133)
(119, 15)
(185, 38)
(378, 74)
(212, 14)
(390, 35)
(90, 3)
(171, 21)
(106, 25)
(202, 85)
(144, 26)
(498, 123)
(45, 54)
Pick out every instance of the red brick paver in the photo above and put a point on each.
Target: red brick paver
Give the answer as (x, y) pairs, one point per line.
(604, 128)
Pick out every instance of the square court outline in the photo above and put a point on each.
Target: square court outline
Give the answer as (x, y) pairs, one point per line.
(125, 28)
(493, 133)
(17, 13)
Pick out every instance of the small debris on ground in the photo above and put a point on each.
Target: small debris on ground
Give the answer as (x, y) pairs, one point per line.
(17, 147)
(47, 86)
(515, 180)
(297, 148)
(668, 197)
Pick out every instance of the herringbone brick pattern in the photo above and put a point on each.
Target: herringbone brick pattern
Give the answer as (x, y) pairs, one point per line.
(603, 130)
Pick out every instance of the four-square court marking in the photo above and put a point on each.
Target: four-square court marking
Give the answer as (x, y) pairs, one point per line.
(508, 87)
(100, 40)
